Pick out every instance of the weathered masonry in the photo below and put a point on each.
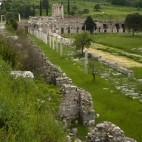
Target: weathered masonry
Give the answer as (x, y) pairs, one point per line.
(57, 23)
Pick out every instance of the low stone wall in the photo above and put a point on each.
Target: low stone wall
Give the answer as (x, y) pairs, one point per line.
(76, 103)
(115, 66)
(61, 81)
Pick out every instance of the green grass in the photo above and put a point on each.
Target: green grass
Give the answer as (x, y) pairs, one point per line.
(110, 104)
(126, 41)
(119, 44)
(26, 114)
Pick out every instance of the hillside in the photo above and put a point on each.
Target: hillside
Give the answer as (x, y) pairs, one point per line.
(81, 8)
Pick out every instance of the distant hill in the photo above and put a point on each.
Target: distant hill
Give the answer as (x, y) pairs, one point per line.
(81, 8)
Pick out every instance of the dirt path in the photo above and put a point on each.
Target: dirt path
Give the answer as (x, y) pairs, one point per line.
(121, 60)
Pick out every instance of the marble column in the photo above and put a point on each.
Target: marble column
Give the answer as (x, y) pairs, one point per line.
(19, 17)
(56, 43)
(70, 42)
(50, 38)
(61, 47)
(52, 42)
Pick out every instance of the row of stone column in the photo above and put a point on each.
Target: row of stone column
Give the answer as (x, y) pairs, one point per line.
(52, 43)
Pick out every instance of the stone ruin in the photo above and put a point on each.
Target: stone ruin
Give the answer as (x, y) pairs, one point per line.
(25, 74)
(59, 24)
(76, 103)
(107, 132)
(115, 66)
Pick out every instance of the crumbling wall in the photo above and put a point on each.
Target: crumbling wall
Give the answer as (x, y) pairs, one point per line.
(107, 132)
(76, 103)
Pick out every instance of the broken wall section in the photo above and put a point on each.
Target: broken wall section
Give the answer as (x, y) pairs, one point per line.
(76, 103)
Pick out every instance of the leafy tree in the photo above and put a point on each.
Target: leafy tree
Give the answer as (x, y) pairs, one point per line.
(82, 40)
(27, 11)
(12, 24)
(74, 7)
(72, 12)
(89, 24)
(40, 8)
(9, 15)
(120, 2)
(134, 22)
(97, 7)
(45, 5)
(7, 6)
(68, 6)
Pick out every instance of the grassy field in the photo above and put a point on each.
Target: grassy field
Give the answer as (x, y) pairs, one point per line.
(127, 43)
(110, 104)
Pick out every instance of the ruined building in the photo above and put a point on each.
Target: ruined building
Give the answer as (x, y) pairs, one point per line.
(57, 23)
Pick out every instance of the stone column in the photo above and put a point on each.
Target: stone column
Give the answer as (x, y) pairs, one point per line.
(38, 34)
(52, 42)
(86, 62)
(58, 10)
(62, 11)
(19, 17)
(70, 42)
(45, 38)
(61, 47)
(56, 43)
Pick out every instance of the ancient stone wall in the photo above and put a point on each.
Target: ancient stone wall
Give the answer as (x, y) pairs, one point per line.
(115, 66)
(76, 103)
(107, 132)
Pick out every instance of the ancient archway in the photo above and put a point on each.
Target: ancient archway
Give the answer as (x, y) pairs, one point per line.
(77, 29)
(117, 27)
(62, 30)
(105, 28)
(123, 27)
(68, 30)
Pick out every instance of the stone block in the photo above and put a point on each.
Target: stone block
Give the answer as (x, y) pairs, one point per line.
(86, 116)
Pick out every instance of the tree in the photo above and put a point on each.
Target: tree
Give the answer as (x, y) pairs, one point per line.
(89, 24)
(68, 7)
(40, 8)
(97, 7)
(82, 40)
(134, 22)
(45, 5)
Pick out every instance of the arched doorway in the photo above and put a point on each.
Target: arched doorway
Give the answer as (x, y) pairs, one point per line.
(117, 27)
(68, 30)
(62, 30)
(105, 28)
(123, 27)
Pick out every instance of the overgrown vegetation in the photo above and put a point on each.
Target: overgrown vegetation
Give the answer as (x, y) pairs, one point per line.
(27, 109)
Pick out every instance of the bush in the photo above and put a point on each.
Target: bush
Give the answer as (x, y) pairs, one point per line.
(13, 23)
